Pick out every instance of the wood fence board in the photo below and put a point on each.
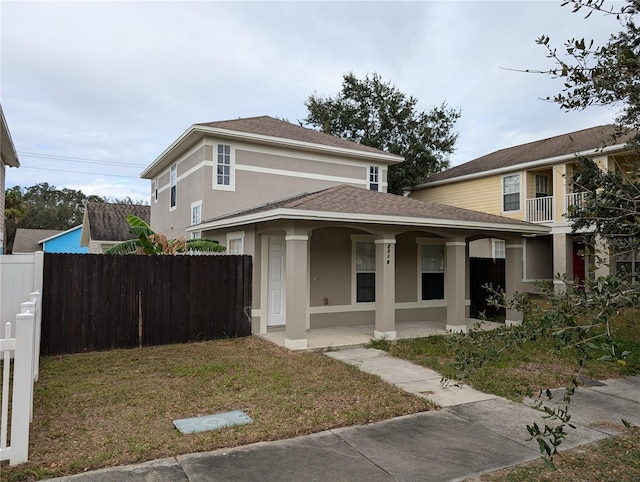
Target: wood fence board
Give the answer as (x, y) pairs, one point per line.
(92, 302)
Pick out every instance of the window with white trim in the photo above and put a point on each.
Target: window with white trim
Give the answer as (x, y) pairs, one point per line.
(173, 186)
(374, 177)
(431, 270)
(498, 248)
(629, 263)
(196, 213)
(542, 185)
(224, 167)
(365, 266)
(196, 235)
(156, 187)
(235, 243)
(511, 193)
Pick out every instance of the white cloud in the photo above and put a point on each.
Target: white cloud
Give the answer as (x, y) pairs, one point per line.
(119, 81)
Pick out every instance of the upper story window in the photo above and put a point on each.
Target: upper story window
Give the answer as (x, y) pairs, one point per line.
(365, 267)
(511, 193)
(156, 187)
(224, 168)
(173, 186)
(235, 243)
(196, 213)
(432, 271)
(374, 182)
(542, 186)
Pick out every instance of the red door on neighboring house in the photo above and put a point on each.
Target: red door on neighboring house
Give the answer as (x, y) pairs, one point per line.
(578, 263)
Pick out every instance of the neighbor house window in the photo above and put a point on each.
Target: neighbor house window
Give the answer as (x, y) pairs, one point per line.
(498, 248)
(432, 271)
(224, 168)
(629, 263)
(173, 181)
(542, 186)
(365, 271)
(374, 178)
(235, 243)
(511, 193)
(196, 213)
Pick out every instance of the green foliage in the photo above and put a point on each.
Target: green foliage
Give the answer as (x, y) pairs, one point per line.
(601, 75)
(375, 113)
(44, 207)
(152, 243)
(611, 206)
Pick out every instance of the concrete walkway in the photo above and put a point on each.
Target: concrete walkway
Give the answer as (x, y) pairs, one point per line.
(473, 434)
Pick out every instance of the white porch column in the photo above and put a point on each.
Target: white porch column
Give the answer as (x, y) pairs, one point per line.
(385, 288)
(297, 272)
(562, 260)
(455, 277)
(513, 278)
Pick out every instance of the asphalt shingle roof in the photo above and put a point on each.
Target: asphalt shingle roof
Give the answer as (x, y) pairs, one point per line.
(108, 221)
(566, 144)
(269, 126)
(26, 240)
(345, 199)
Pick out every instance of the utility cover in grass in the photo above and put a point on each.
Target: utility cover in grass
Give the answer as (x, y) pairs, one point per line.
(212, 422)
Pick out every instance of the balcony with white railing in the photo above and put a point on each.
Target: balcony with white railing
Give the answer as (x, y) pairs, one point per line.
(539, 209)
(574, 200)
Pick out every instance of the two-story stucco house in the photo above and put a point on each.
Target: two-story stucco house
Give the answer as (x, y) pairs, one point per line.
(534, 182)
(330, 247)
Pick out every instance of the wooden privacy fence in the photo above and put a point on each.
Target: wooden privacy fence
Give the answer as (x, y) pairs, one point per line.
(484, 271)
(102, 302)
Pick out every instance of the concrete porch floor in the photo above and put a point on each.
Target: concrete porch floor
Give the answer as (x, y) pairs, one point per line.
(339, 337)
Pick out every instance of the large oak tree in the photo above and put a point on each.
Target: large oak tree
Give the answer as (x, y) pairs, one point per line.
(377, 114)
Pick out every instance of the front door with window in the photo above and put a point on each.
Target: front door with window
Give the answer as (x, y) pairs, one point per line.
(276, 290)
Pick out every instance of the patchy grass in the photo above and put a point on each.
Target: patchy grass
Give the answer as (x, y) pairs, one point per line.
(103, 409)
(614, 459)
(535, 365)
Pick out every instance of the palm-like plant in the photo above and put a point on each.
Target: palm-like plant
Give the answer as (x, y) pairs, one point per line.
(152, 243)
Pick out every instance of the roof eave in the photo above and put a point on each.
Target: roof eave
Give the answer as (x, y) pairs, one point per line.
(522, 166)
(300, 214)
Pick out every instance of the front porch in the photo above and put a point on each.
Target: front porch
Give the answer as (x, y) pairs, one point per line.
(341, 337)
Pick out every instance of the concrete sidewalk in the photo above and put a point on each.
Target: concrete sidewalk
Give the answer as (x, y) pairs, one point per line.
(475, 433)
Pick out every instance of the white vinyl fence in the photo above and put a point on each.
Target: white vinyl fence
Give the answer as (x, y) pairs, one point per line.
(20, 279)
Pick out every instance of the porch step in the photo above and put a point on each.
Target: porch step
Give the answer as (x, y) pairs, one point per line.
(412, 378)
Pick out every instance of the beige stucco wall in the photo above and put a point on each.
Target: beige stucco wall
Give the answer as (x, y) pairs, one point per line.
(261, 173)
(190, 188)
(538, 252)
(330, 267)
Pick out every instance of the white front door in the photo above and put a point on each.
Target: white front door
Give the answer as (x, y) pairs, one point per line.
(276, 289)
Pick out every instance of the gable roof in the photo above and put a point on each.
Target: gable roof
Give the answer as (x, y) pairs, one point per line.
(7, 149)
(545, 151)
(268, 130)
(346, 203)
(30, 240)
(108, 221)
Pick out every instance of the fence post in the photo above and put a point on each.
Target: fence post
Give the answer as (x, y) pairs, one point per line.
(36, 297)
(38, 271)
(30, 307)
(22, 386)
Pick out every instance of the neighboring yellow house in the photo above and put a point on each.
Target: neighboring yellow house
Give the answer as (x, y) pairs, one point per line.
(533, 182)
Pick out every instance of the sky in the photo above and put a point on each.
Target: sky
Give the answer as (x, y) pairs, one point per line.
(93, 92)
